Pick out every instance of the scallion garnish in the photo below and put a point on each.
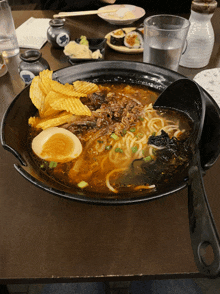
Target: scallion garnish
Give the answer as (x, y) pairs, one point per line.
(132, 130)
(123, 132)
(119, 150)
(114, 136)
(108, 147)
(148, 158)
(141, 118)
(134, 149)
(139, 135)
(52, 164)
(154, 151)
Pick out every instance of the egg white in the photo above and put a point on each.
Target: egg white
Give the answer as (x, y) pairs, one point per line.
(39, 141)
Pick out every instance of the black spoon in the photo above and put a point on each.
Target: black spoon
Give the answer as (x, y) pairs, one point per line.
(184, 95)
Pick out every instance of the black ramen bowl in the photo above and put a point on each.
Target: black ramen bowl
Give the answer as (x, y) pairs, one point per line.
(15, 128)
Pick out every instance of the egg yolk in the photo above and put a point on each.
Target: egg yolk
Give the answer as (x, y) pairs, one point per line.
(57, 147)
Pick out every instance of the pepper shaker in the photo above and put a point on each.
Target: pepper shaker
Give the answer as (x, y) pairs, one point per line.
(57, 34)
(32, 63)
(200, 38)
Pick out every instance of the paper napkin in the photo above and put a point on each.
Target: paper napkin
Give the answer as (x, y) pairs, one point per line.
(33, 33)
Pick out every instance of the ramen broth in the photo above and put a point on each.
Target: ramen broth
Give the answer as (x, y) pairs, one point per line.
(116, 136)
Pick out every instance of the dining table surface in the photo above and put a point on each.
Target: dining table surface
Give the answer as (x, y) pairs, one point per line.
(45, 238)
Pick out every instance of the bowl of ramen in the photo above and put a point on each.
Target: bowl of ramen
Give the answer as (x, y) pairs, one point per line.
(91, 133)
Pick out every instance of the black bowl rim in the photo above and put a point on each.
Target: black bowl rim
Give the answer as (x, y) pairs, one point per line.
(57, 75)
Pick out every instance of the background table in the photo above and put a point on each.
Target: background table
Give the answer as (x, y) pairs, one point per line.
(45, 238)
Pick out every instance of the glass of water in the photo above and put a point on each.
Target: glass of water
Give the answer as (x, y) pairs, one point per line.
(165, 40)
(8, 39)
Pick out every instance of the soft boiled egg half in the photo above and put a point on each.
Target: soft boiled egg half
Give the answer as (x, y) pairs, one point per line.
(56, 144)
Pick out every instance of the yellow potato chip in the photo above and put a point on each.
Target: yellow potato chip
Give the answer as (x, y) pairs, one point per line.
(49, 111)
(36, 94)
(33, 121)
(45, 79)
(67, 90)
(73, 105)
(54, 96)
(46, 74)
(56, 121)
(85, 87)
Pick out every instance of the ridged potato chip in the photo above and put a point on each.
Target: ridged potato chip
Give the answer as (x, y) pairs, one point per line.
(33, 121)
(85, 87)
(61, 119)
(73, 105)
(36, 94)
(67, 89)
(57, 103)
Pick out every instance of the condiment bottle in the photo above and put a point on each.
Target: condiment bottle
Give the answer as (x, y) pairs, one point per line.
(3, 66)
(200, 38)
(32, 63)
(57, 34)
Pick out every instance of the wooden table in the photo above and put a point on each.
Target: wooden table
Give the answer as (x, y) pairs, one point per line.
(45, 238)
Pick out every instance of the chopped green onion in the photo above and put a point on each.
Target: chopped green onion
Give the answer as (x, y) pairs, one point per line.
(108, 147)
(52, 164)
(123, 132)
(154, 151)
(82, 184)
(114, 136)
(148, 158)
(119, 150)
(141, 118)
(154, 134)
(42, 166)
(139, 135)
(132, 130)
(99, 141)
(134, 149)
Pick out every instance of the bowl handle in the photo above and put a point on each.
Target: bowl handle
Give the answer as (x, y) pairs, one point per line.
(204, 236)
(14, 152)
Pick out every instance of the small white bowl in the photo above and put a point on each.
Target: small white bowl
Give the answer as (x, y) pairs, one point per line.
(125, 14)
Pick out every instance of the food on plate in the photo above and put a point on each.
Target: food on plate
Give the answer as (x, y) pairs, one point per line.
(57, 145)
(134, 39)
(117, 37)
(75, 50)
(130, 38)
(124, 144)
(123, 13)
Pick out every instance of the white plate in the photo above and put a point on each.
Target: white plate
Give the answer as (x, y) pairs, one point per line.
(123, 49)
(209, 79)
(113, 18)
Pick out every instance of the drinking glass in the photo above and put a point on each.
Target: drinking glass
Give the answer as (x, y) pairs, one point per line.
(8, 39)
(164, 40)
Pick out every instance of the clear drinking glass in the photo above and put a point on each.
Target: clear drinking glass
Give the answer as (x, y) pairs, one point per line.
(8, 39)
(164, 40)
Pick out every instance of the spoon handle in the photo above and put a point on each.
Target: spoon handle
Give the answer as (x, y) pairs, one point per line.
(203, 232)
